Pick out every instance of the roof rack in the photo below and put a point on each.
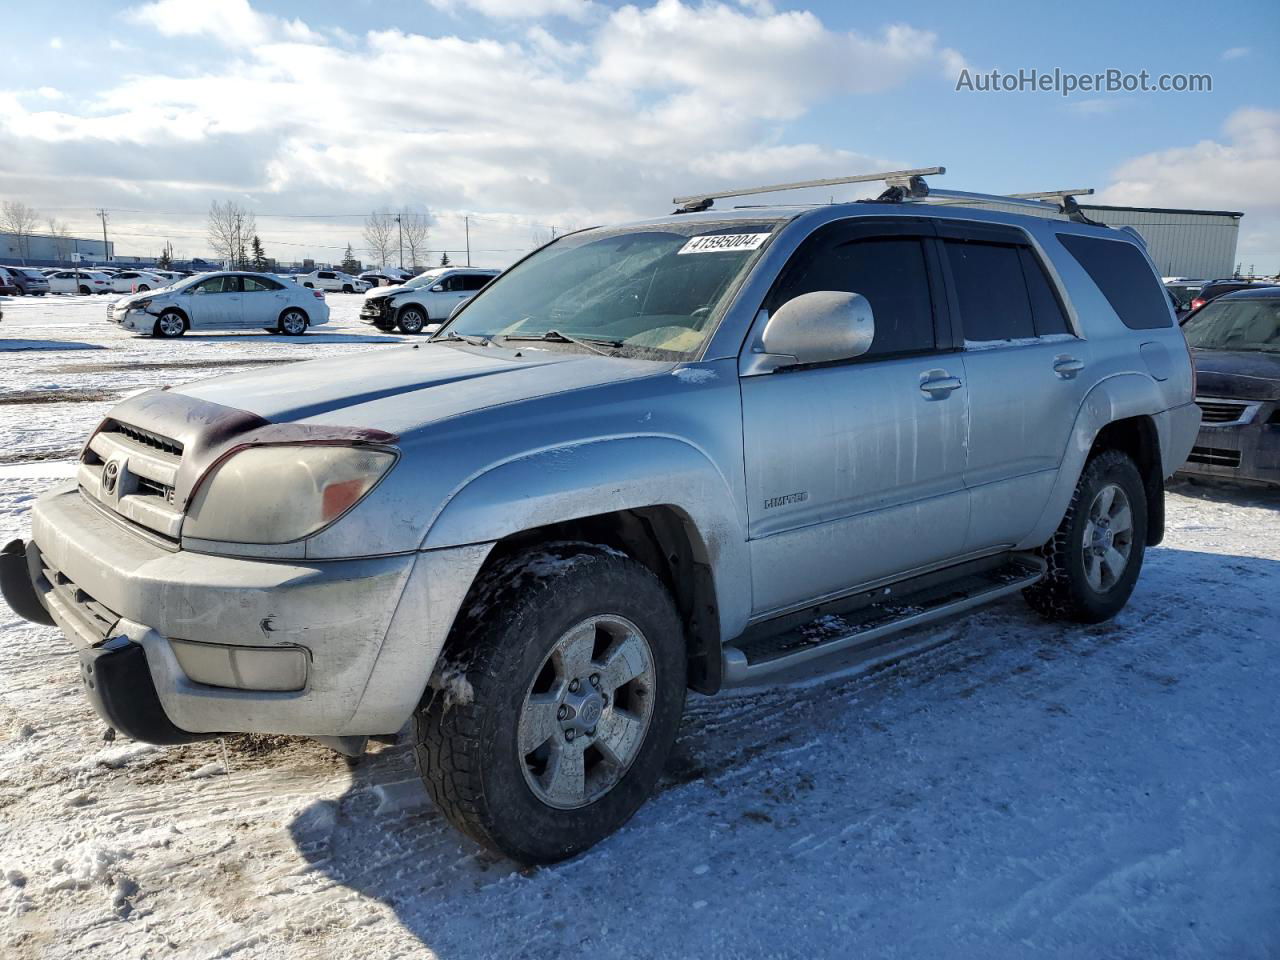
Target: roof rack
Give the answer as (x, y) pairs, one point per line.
(909, 183)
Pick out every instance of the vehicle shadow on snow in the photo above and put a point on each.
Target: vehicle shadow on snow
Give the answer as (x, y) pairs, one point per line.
(308, 339)
(7, 344)
(730, 794)
(1223, 490)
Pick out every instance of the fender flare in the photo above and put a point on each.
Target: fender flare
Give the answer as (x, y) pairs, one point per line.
(603, 476)
(1118, 397)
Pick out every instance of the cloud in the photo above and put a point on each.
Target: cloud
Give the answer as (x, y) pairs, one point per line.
(1240, 171)
(1235, 53)
(1096, 106)
(234, 23)
(517, 9)
(606, 126)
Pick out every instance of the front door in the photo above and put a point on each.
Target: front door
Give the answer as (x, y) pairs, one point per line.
(855, 470)
(216, 304)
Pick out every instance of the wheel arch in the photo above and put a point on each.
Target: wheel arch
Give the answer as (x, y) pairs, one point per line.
(658, 499)
(293, 306)
(1121, 412)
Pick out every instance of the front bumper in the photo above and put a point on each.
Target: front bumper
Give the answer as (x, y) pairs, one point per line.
(1248, 452)
(220, 637)
(379, 311)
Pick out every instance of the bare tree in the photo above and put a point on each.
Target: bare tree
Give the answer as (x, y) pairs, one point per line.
(230, 229)
(380, 236)
(416, 237)
(61, 235)
(20, 220)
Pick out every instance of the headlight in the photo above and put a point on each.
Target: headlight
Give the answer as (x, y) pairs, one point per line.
(140, 304)
(275, 494)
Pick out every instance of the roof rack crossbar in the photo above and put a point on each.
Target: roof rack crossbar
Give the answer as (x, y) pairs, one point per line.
(909, 181)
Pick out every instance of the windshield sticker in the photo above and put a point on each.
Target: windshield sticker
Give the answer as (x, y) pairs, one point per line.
(721, 242)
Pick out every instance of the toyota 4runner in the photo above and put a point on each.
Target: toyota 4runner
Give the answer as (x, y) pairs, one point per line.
(642, 461)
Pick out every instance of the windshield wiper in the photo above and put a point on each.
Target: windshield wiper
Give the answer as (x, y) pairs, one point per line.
(465, 338)
(555, 336)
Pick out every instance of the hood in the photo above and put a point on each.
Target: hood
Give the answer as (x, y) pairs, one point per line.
(1237, 374)
(377, 293)
(136, 298)
(402, 389)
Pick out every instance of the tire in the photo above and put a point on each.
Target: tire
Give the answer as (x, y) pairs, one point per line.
(1086, 581)
(347, 288)
(479, 713)
(292, 323)
(143, 288)
(412, 320)
(85, 291)
(171, 325)
(309, 286)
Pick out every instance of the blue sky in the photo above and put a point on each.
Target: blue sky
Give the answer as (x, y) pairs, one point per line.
(559, 112)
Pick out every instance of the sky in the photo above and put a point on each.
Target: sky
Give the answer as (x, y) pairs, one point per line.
(527, 116)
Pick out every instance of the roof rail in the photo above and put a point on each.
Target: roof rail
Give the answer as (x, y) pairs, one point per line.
(1062, 200)
(903, 183)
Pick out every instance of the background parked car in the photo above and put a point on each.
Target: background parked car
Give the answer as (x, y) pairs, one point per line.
(29, 281)
(227, 300)
(334, 281)
(137, 281)
(79, 281)
(382, 279)
(1217, 288)
(428, 298)
(7, 285)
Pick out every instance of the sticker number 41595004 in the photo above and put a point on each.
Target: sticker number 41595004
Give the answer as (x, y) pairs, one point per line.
(724, 242)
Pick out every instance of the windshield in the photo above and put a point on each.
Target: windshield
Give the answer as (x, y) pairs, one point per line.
(1248, 324)
(637, 290)
(1183, 293)
(422, 280)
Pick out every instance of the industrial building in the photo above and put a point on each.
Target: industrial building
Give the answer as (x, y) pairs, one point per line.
(45, 250)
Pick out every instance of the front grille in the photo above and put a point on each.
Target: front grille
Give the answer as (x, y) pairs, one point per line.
(1214, 456)
(1221, 411)
(147, 438)
(149, 488)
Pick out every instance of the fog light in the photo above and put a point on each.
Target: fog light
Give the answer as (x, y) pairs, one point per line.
(243, 668)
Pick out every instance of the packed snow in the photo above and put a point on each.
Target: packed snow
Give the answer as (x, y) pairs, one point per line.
(1023, 789)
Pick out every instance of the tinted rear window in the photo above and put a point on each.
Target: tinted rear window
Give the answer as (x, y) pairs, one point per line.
(1123, 275)
(991, 291)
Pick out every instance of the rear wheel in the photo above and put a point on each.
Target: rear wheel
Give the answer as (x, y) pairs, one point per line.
(85, 290)
(551, 715)
(142, 288)
(170, 325)
(293, 323)
(1096, 555)
(412, 320)
(347, 288)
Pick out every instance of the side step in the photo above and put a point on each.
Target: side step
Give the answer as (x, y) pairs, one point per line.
(866, 624)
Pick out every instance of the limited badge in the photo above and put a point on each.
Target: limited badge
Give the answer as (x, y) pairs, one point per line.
(724, 242)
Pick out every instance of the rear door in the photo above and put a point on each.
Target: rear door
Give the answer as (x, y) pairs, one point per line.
(1027, 376)
(855, 469)
(262, 302)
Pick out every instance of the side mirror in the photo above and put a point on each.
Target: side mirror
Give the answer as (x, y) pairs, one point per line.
(438, 288)
(816, 327)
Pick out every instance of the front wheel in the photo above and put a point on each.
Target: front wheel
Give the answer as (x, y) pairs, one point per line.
(293, 323)
(551, 714)
(411, 320)
(347, 288)
(1096, 555)
(170, 325)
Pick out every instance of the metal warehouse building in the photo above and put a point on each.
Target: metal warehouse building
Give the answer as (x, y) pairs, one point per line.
(42, 250)
(1182, 243)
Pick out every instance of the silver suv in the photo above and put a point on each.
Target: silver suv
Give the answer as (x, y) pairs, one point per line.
(688, 453)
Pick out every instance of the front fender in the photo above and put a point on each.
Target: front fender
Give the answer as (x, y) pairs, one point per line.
(573, 481)
(1113, 398)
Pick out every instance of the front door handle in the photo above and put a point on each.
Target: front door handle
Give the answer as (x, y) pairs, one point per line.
(1067, 367)
(939, 385)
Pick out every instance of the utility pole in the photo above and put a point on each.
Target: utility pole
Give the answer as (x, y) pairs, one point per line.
(401, 226)
(466, 223)
(106, 251)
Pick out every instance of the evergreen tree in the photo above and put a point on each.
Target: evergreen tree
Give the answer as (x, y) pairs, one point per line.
(259, 260)
(444, 259)
(349, 262)
(166, 257)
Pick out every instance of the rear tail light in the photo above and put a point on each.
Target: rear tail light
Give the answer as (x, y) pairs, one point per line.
(318, 294)
(1197, 303)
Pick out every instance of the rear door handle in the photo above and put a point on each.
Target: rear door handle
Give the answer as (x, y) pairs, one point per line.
(939, 387)
(1067, 367)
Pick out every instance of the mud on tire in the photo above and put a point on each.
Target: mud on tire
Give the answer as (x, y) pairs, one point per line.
(1066, 592)
(468, 732)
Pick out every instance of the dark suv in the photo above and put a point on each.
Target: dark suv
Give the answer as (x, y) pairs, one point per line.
(1217, 288)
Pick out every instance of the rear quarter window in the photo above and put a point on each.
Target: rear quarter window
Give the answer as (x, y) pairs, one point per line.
(1123, 275)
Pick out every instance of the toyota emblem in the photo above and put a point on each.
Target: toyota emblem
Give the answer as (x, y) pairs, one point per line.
(110, 477)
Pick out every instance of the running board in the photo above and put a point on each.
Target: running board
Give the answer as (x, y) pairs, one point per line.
(866, 625)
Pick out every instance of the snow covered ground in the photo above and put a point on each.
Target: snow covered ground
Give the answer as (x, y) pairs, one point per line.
(1025, 789)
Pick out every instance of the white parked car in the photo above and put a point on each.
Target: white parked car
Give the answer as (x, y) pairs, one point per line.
(429, 298)
(335, 281)
(137, 281)
(79, 281)
(228, 300)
